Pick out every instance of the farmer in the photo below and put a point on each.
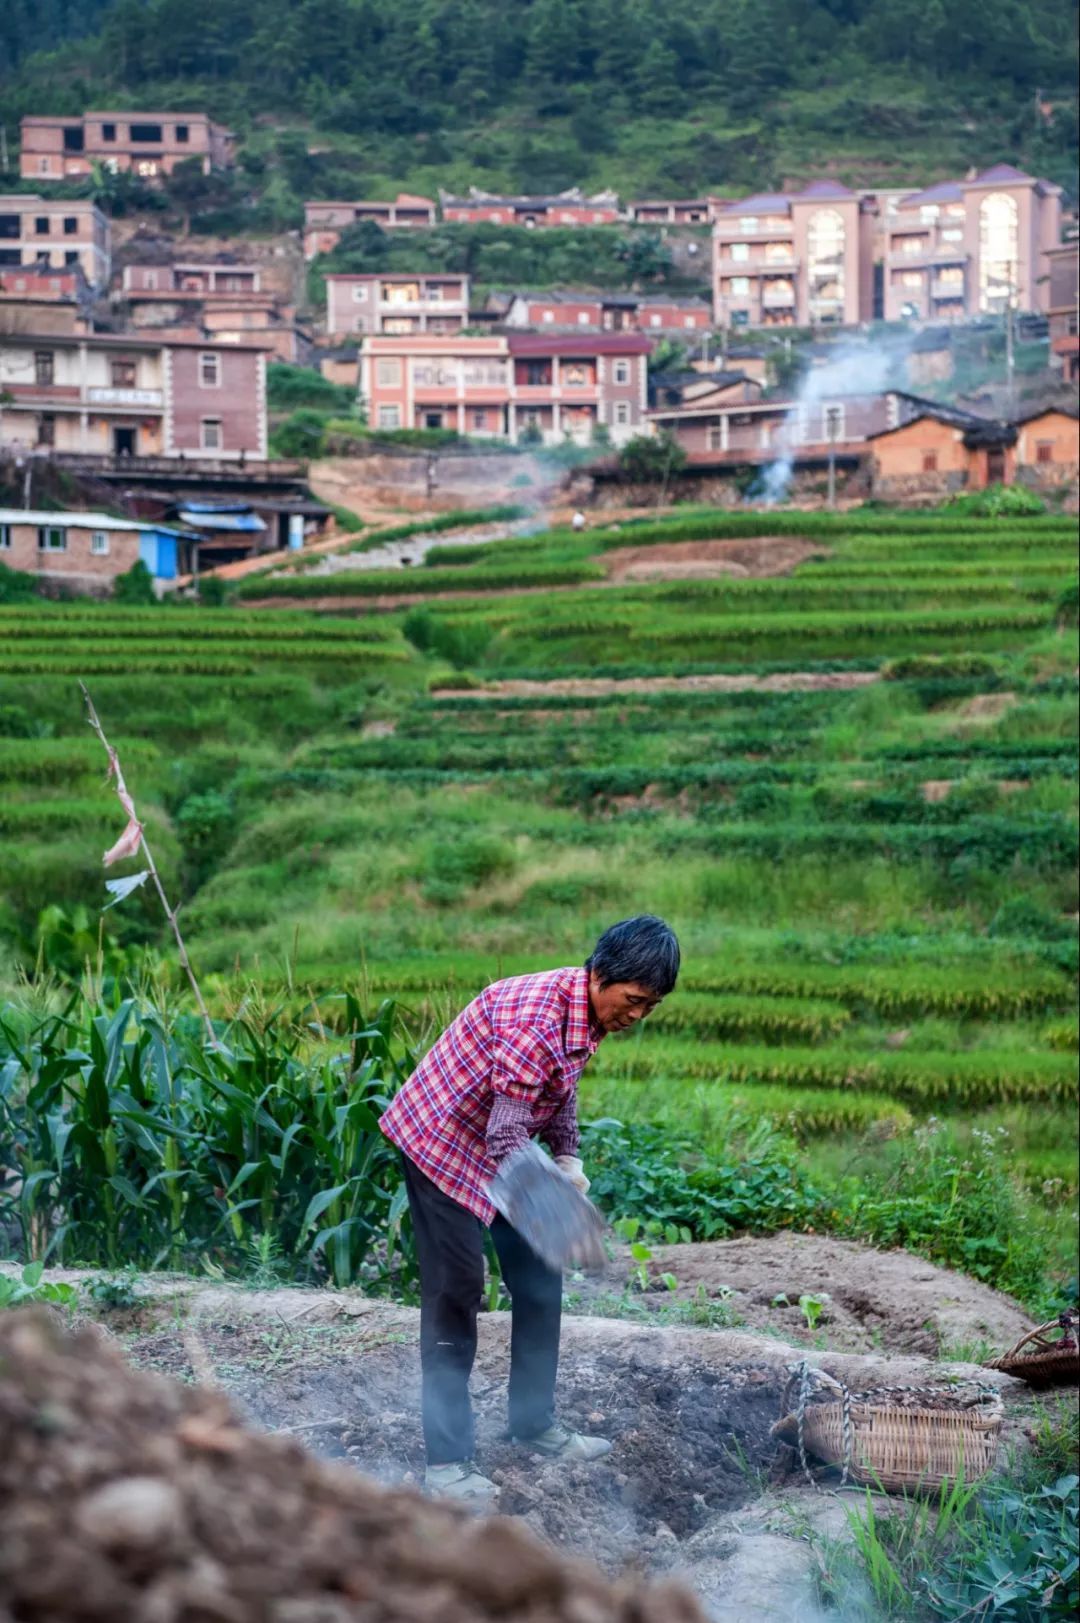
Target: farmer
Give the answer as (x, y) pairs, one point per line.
(506, 1070)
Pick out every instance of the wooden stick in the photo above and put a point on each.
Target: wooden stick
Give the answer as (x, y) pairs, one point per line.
(170, 912)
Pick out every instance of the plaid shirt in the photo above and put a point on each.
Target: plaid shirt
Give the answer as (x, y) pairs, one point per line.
(512, 1059)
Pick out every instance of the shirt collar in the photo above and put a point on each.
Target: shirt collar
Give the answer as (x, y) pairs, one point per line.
(581, 1030)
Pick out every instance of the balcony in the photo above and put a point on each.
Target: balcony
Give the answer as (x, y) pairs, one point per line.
(928, 257)
(756, 264)
(778, 298)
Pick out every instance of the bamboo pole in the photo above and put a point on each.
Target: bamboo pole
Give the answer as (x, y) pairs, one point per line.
(117, 775)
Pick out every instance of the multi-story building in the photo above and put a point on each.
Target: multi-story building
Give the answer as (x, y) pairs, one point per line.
(759, 431)
(800, 259)
(972, 247)
(571, 207)
(45, 301)
(324, 222)
(391, 302)
(673, 211)
(150, 144)
(132, 395)
(508, 385)
(216, 301)
(1063, 307)
(55, 233)
(610, 312)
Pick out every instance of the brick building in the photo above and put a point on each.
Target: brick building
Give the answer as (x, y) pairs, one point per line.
(84, 552)
(395, 303)
(57, 233)
(567, 208)
(223, 302)
(1063, 307)
(149, 144)
(742, 429)
(1048, 447)
(132, 395)
(324, 222)
(609, 312)
(507, 385)
(45, 301)
(970, 248)
(794, 259)
(673, 211)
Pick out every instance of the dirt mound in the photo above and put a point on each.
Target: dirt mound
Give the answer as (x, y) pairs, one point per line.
(887, 1299)
(125, 1498)
(757, 558)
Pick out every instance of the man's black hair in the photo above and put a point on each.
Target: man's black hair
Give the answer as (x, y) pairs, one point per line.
(642, 949)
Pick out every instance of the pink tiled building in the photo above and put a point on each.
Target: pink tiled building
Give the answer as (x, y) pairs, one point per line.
(324, 222)
(150, 144)
(391, 302)
(132, 395)
(972, 247)
(794, 259)
(567, 208)
(509, 385)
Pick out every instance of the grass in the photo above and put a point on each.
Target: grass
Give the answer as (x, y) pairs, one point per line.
(874, 887)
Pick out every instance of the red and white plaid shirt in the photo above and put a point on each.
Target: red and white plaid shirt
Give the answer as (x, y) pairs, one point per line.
(514, 1056)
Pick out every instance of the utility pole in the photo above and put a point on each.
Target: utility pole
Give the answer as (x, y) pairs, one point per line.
(832, 423)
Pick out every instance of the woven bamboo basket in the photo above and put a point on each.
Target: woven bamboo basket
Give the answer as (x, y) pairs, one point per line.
(1042, 1361)
(905, 1448)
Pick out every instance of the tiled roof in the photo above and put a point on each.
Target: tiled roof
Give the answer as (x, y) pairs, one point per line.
(760, 203)
(824, 188)
(579, 344)
(1001, 173)
(945, 191)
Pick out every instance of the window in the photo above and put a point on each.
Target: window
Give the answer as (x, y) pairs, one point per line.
(46, 429)
(915, 245)
(740, 250)
(739, 286)
(147, 168)
(41, 225)
(71, 225)
(999, 251)
(182, 132)
(549, 315)
(912, 279)
(123, 374)
(928, 213)
(71, 257)
(388, 375)
(929, 462)
(952, 233)
(389, 416)
(434, 292)
(210, 434)
(656, 321)
(1044, 451)
(5, 537)
(209, 370)
(583, 318)
(714, 437)
(99, 543)
(150, 281)
(688, 321)
(748, 223)
(108, 132)
(622, 413)
(359, 293)
(146, 132)
(479, 419)
(51, 538)
(10, 226)
(575, 375)
(44, 369)
(620, 372)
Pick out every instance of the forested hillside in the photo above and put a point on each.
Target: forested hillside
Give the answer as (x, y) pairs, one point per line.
(335, 97)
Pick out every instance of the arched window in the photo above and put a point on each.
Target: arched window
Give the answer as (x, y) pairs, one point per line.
(999, 251)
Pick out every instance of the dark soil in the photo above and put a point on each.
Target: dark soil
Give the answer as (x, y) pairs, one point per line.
(125, 1498)
(690, 1442)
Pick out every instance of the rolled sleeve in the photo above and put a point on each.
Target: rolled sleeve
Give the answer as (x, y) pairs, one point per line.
(561, 1135)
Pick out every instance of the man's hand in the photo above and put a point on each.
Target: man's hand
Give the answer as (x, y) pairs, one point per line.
(572, 1168)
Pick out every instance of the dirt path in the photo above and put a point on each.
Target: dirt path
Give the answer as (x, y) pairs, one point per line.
(760, 557)
(585, 687)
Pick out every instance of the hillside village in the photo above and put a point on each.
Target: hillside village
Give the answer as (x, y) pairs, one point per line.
(143, 364)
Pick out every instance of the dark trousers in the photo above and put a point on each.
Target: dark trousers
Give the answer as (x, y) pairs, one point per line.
(450, 1252)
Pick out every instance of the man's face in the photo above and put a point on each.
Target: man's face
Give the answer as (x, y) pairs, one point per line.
(620, 1005)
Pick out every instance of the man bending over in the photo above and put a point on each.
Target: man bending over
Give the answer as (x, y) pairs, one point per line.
(507, 1070)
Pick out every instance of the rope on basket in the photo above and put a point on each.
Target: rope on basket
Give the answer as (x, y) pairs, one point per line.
(807, 1379)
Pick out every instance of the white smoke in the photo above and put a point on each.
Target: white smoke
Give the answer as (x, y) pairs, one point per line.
(855, 366)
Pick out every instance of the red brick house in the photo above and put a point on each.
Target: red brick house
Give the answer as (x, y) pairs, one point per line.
(55, 233)
(610, 312)
(150, 144)
(666, 211)
(216, 301)
(1063, 308)
(1048, 447)
(569, 208)
(324, 222)
(507, 386)
(392, 302)
(132, 395)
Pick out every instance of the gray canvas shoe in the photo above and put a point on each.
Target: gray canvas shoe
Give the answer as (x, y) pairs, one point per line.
(557, 1443)
(459, 1480)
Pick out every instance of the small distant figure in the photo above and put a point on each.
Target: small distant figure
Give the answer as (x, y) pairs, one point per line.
(578, 521)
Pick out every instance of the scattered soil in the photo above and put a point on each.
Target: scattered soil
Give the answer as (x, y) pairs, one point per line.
(126, 1498)
(758, 558)
(885, 1299)
(986, 707)
(597, 686)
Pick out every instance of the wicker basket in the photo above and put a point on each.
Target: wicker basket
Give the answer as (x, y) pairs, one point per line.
(1042, 1361)
(898, 1449)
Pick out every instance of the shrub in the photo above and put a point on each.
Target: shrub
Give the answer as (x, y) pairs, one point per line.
(997, 501)
(288, 387)
(16, 586)
(302, 434)
(135, 585)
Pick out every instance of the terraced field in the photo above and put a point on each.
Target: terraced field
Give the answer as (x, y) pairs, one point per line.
(875, 885)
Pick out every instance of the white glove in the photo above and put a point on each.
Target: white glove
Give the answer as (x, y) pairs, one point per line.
(572, 1168)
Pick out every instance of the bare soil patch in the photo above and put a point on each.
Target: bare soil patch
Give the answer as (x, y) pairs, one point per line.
(888, 1300)
(759, 558)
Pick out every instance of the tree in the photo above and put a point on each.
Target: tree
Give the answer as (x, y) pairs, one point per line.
(646, 256)
(652, 459)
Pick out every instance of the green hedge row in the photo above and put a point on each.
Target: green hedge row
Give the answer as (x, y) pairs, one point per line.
(394, 582)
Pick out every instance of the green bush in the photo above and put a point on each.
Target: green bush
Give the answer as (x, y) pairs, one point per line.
(997, 501)
(16, 586)
(288, 387)
(135, 585)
